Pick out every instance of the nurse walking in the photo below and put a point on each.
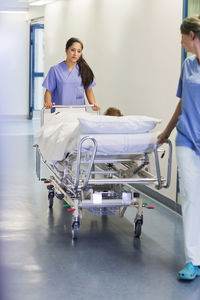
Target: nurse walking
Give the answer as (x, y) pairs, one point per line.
(186, 118)
(67, 82)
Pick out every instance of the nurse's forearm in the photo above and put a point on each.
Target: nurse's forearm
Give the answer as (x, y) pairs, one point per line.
(91, 99)
(90, 96)
(163, 137)
(47, 99)
(172, 123)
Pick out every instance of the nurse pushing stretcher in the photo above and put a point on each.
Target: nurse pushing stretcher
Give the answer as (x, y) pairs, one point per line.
(67, 81)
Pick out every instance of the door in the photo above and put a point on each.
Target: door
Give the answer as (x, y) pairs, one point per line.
(36, 69)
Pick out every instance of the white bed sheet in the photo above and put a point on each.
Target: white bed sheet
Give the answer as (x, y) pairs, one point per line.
(61, 134)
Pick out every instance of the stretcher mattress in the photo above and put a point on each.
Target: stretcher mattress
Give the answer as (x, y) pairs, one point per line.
(111, 144)
(62, 133)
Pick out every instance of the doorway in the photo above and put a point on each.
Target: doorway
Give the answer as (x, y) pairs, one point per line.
(36, 70)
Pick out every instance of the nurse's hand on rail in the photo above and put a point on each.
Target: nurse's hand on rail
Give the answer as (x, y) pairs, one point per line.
(96, 107)
(49, 104)
(163, 137)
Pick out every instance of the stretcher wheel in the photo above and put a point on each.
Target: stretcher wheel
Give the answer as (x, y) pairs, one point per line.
(51, 195)
(50, 198)
(75, 227)
(50, 202)
(138, 228)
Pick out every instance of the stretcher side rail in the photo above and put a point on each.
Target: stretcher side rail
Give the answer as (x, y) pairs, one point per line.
(62, 107)
(79, 160)
(158, 180)
(79, 183)
(124, 180)
(160, 184)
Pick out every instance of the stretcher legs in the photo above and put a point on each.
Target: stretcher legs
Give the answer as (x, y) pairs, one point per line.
(38, 162)
(76, 210)
(138, 222)
(75, 218)
(75, 222)
(51, 194)
(138, 226)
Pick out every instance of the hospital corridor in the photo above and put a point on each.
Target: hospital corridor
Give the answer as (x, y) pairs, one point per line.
(39, 259)
(99, 149)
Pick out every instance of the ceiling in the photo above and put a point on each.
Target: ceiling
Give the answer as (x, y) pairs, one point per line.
(20, 5)
(14, 5)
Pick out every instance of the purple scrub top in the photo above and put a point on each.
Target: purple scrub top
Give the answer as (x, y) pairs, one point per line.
(66, 86)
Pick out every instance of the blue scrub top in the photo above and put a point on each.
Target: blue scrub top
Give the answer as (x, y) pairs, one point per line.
(66, 86)
(188, 126)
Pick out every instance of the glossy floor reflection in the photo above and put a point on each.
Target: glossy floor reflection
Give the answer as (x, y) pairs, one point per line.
(39, 260)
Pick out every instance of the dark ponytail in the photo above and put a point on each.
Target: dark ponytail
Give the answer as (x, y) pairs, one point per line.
(84, 69)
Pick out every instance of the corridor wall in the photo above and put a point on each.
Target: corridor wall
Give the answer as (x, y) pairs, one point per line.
(14, 36)
(133, 47)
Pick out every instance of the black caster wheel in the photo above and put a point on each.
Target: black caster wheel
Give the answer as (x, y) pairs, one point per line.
(50, 202)
(138, 228)
(75, 227)
(50, 195)
(50, 198)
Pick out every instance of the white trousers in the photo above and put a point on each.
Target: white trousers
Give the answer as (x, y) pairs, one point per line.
(189, 179)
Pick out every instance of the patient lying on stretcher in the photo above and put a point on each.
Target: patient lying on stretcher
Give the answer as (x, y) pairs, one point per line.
(62, 132)
(113, 111)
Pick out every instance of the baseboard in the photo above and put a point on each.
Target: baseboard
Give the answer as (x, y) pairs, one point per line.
(13, 117)
(159, 197)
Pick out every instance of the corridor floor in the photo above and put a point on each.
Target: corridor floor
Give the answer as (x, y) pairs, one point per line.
(39, 260)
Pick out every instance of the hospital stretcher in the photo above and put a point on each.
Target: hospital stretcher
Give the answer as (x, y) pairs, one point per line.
(103, 184)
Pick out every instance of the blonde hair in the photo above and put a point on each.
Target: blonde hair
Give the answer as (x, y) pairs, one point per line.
(113, 111)
(191, 24)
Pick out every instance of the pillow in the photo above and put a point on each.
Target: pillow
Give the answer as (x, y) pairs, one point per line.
(112, 124)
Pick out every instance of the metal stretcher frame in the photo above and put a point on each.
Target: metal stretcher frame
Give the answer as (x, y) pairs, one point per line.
(82, 189)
